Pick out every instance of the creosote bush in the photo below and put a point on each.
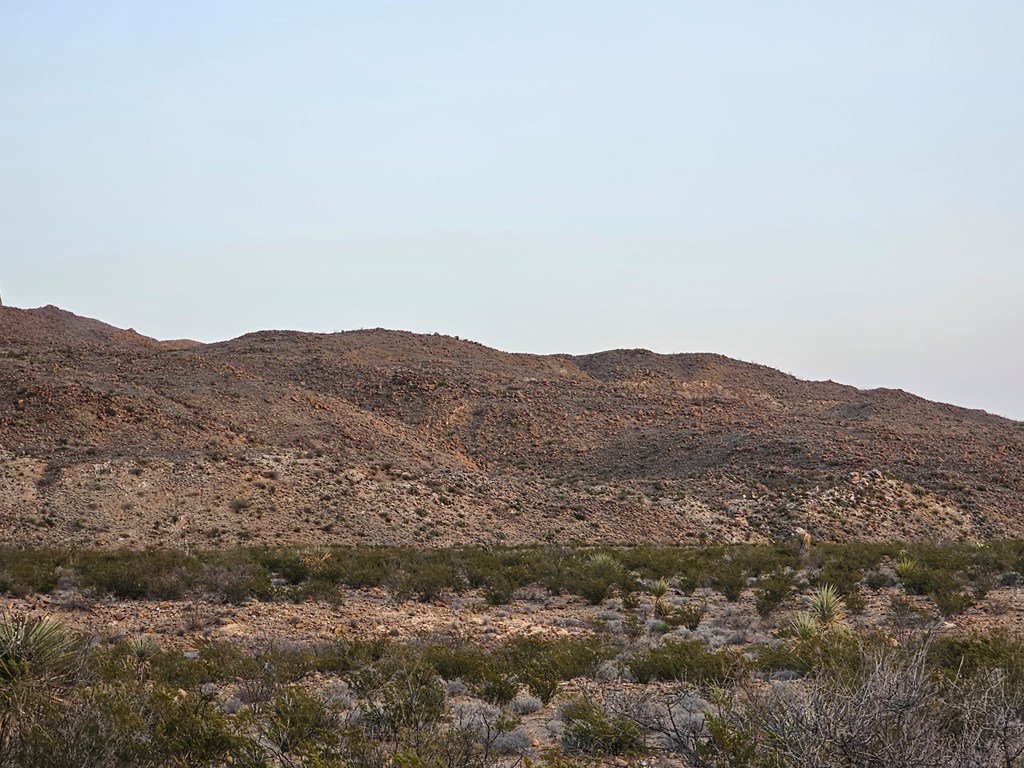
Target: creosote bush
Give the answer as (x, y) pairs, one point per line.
(951, 574)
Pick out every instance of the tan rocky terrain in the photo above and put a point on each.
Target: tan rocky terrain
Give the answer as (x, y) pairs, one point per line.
(110, 439)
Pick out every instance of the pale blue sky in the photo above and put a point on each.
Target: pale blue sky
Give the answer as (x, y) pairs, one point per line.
(830, 188)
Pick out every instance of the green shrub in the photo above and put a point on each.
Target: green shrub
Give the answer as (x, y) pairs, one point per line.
(771, 591)
(542, 663)
(972, 654)
(423, 579)
(302, 726)
(495, 685)
(287, 564)
(687, 615)
(26, 572)
(953, 602)
(730, 581)
(189, 730)
(592, 731)
(409, 697)
(683, 660)
(464, 662)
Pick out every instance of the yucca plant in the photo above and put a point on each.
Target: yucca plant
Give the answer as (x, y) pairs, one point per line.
(826, 606)
(804, 626)
(659, 591)
(140, 652)
(32, 648)
(316, 557)
(905, 566)
(35, 660)
(604, 562)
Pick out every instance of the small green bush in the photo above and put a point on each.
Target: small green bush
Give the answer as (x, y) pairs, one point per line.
(771, 591)
(685, 660)
(590, 730)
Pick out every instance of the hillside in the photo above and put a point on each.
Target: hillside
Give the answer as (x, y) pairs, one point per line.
(109, 438)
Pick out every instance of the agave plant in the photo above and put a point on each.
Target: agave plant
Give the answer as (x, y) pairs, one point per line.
(826, 606)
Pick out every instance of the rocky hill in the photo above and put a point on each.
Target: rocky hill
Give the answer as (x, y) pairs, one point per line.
(109, 438)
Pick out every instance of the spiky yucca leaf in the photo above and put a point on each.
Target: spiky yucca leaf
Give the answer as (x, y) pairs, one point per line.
(827, 606)
(658, 589)
(602, 561)
(141, 647)
(804, 626)
(32, 648)
(905, 566)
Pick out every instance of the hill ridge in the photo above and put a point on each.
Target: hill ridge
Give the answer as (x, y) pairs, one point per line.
(111, 438)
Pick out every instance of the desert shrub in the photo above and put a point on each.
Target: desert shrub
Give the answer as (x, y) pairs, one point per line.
(953, 602)
(496, 686)
(301, 726)
(408, 696)
(464, 662)
(423, 578)
(590, 576)
(889, 711)
(487, 675)
(877, 579)
(771, 591)
(687, 615)
(287, 564)
(516, 741)
(855, 602)
(316, 589)
(499, 590)
(730, 580)
(157, 574)
(785, 656)
(358, 567)
(924, 580)
(543, 663)
(212, 662)
(94, 726)
(113, 573)
(25, 572)
(590, 730)
(976, 654)
(189, 730)
(759, 560)
(347, 654)
(526, 705)
(844, 565)
(686, 660)
(239, 583)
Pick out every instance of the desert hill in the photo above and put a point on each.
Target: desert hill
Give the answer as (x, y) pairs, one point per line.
(109, 438)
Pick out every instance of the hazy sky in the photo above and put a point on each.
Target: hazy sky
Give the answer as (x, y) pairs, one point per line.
(832, 188)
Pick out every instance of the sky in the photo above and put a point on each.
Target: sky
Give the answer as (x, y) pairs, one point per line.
(833, 188)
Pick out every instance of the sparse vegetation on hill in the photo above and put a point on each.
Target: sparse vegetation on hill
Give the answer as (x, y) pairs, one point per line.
(110, 439)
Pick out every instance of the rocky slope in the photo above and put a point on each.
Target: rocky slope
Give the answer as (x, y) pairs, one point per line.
(109, 438)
